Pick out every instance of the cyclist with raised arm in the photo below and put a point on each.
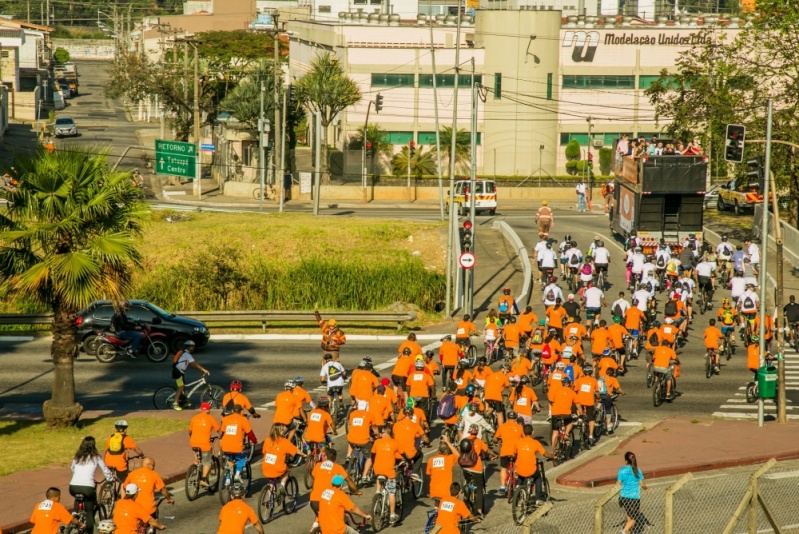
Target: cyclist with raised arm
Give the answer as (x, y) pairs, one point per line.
(332, 336)
(234, 516)
(180, 364)
(235, 396)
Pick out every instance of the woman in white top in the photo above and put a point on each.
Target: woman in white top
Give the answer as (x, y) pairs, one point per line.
(84, 465)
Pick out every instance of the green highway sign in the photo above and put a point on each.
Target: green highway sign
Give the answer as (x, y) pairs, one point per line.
(175, 158)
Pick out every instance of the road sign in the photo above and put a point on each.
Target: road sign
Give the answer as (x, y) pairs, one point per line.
(175, 158)
(467, 260)
(207, 147)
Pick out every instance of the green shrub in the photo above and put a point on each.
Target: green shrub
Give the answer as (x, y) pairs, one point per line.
(573, 150)
(605, 160)
(571, 167)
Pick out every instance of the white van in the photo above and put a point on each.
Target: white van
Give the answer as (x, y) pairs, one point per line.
(485, 194)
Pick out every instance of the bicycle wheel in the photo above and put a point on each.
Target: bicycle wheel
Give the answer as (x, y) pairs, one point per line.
(650, 376)
(213, 475)
(164, 398)
(378, 521)
(545, 489)
(292, 492)
(247, 476)
(702, 302)
(266, 504)
(536, 371)
(157, 351)
(106, 498)
(599, 421)
(224, 487)
(354, 469)
(751, 392)
(400, 497)
(614, 417)
(213, 395)
(657, 394)
(521, 500)
(256, 193)
(417, 485)
(192, 482)
(708, 367)
(471, 356)
(309, 465)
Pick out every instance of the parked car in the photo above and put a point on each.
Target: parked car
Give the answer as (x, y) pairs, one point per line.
(97, 317)
(65, 90)
(65, 127)
(712, 197)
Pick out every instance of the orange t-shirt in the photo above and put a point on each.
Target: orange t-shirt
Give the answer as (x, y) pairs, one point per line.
(520, 366)
(512, 333)
(616, 333)
(525, 321)
(440, 468)
(507, 299)
(576, 330)
(416, 348)
(449, 354)
(361, 423)
(526, 461)
(285, 408)
(200, 428)
(275, 451)
(586, 388)
(463, 380)
(302, 397)
(606, 363)
(612, 384)
(380, 408)
(663, 356)
(495, 385)
(323, 474)
(418, 416)
(403, 365)
(509, 432)
(432, 367)
(419, 384)
(554, 383)
(680, 310)
(450, 512)
(657, 332)
(480, 448)
(319, 424)
(712, 336)
(234, 428)
(385, 450)
(149, 482)
(127, 514)
(460, 403)
(332, 505)
(753, 357)
(599, 340)
(406, 431)
(668, 332)
(769, 322)
(119, 461)
(236, 397)
(632, 318)
(464, 329)
(482, 374)
(563, 401)
(233, 517)
(523, 403)
(47, 515)
(491, 332)
(556, 316)
(363, 384)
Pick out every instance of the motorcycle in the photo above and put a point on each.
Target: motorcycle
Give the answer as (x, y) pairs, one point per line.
(153, 345)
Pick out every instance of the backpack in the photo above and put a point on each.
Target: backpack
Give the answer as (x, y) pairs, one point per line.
(503, 306)
(538, 337)
(661, 261)
(749, 304)
(570, 372)
(603, 388)
(727, 250)
(574, 260)
(551, 294)
(447, 407)
(468, 459)
(727, 316)
(617, 310)
(671, 308)
(587, 269)
(333, 373)
(654, 340)
(175, 371)
(116, 444)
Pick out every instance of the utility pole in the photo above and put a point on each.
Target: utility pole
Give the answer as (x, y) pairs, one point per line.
(29, 11)
(435, 112)
(277, 85)
(782, 416)
(199, 179)
(47, 23)
(283, 156)
(185, 73)
(590, 120)
(472, 189)
(262, 138)
(317, 160)
(764, 257)
(363, 152)
(452, 217)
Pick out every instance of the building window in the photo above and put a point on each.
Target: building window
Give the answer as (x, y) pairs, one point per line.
(325, 9)
(392, 80)
(549, 86)
(581, 138)
(571, 81)
(645, 82)
(4, 54)
(448, 80)
(398, 138)
(426, 138)
(498, 86)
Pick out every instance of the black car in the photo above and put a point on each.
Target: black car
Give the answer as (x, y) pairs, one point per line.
(97, 317)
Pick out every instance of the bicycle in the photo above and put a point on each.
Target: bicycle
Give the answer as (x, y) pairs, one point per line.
(146, 528)
(492, 349)
(236, 468)
(565, 448)
(582, 424)
(523, 503)
(381, 509)
(701, 300)
(271, 498)
(337, 410)
(659, 387)
(108, 491)
(469, 350)
(631, 345)
(164, 397)
(600, 279)
(357, 463)
(650, 375)
(269, 192)
(316, 456)
(359, 524)
(79, 513)
(752, 390)
(601, 418)
(432, 516)
(712, 362)
(513, 480)
(537, 371)
(194, 472)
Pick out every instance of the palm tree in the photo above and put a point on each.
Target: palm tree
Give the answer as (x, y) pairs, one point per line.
(68, 237)
(327, 90)
(463, 146)
(375, 135)
(422, 163)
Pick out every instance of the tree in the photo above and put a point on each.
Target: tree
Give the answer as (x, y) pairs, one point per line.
(327, 90)
(244, 101)
(572, 152)
(463, 147)
(605, 160)
(422, 163)
(68, 237)
(218, 270)
(375, 135)
(61, 55)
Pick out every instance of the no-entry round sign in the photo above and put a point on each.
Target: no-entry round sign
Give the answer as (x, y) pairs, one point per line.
(467, 260)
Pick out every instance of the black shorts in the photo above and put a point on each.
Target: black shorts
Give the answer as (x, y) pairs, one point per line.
(590, 412)
(314, 506)
(557, 420)
(631, 506)
(399, 381)
(504, 461)
(495, 405)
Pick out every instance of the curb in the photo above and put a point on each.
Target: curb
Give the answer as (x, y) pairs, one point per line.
(317, 337)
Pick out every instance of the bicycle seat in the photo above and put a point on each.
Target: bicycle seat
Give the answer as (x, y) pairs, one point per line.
(80, 498)
(382, 478)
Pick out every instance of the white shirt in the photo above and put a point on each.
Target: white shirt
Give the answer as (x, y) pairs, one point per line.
(722, 248)
(593, 297)
(648, 268)
(563, 247)
(662, 253)
(548, 258)
(689, 282)
(637, 261)
(748, 295)
(623, 304)
(83, 474)
(587, 277)
(705, 268)
(642, 296)
(750, 280)
(539, 248)
(580, 188)
(754, 253)
(556, 290)
(184, 361)
(601, 256)
(572, 252)
(325, 372)
(737, 286)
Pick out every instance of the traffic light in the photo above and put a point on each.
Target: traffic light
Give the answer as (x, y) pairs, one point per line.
(466, 236)
(590, 160)
(378, 103)
(412, 147)
(736, 135)
(292, 94)
(754, 173)
(368, 149)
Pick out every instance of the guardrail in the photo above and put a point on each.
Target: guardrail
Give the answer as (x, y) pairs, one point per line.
(524, 258)
(256, 316)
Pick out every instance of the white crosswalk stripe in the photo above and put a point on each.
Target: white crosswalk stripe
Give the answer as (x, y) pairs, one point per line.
(736, 407)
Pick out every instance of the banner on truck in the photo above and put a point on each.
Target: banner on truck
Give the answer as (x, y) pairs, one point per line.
(626, 209)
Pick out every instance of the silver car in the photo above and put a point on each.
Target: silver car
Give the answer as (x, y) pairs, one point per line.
(65, 127)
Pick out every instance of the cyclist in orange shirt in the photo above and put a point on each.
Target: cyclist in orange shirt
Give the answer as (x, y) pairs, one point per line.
(201, 427)
(575, 329)
(512, 334)
(562, 407)
(128, 514)
(481, 372)
(600, 339)
(399, 375)
(587, 389)
(385, 451)
(612, 387)
(148, 481)
(235, 427)
(286, 408)
(320, 423)
(507, 306)
(520, 366)
(275, 450)
(538, 338)
(380, 407)
(462, 377)
(526, 320)
(303, 397)
(417, 416)
(410, 343)
(712, 335)
(557, 316)
(409, 434)
(524, 400)
(474, 474)
(449, 354)
(452, 511)
(118, 458)
(460, 404)
(668, 332)
(430, 364)
(441, 467)
(322, 475)
(634, 317)
(421, 386)
(554, 380)
(549, 355)
(753, 354)
(332, 504)
(769, 322)
(616, 335)
(605, 362)
(661, 364)
(363, 383)
(359, 435)
(653, 338)
(494, 387)
(464, 330)
(526, 449)
(235, 396)
(49, 513)
(508, 433)
(234, 516)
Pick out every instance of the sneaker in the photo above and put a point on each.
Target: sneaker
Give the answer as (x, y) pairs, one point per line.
(364, 481)
(502, 491)
(204, 483)
(282, 489)
(539, 502)
(393, 519)
(131, 353)
(610, 432)
(347, 461)
(177, 407)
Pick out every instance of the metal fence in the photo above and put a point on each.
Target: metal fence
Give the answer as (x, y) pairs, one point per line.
(790, 235)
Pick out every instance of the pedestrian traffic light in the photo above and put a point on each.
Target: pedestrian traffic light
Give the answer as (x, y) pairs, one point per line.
(466, 236)
(368, 149)
(412, 147)
(754, 173)
(736, 135)
(378, 103)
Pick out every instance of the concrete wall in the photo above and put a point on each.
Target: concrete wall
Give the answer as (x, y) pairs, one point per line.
(24, 105)
(87, 48)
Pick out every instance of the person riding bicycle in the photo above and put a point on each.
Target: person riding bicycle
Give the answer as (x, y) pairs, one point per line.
(537, 338)
(662, 366)
(124, 328)
(472, 450)
(548, 262)
(593, 302)
(201, 427)
(180, 364)
(361, 428)
(563, 247)
(128, 513)
(333, 503)
(676, 311)
(493, 331)
(332, 337)
(403, 365)
(464, 330)
(605, 363)
(768, 331)
(587, 389)
(421, 386)
(791, 313)
(512, 335)
(303, 397)
(323, 474)
(552, 292)
(320, 424)
(481, 372)
(462, 377)
(276, 450)
(363, 383)
(728, 317)
(526, 320)
(116, 447)
(410, 435)
(600, 340)
(557, 317)
(712, 335)
(381, 407)
(616, 336)
(235, 396)
(748, 303)
(562, 407)
(411, 343)
(472, 415)
(753, 354)
(545, 219)
(84, 465)
(508, 433)
(49, 513)
(704, 278)
(235, 428)
(449, 354)
(417, 415)
(440, 468)
(611, 387)
(235, 514)
(495, 386)
(724, 252)
(636, 263)
(524, 400)
(526, 449)
(507, 305)
(452, 512)
(385, 452)
(333, 375)
(288, 409)
(148, 481)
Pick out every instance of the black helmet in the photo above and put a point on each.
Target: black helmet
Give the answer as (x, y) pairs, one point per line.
(574, 244)
(465, 446)
(467, 317)
(238, 490)
(406, 350)
(568, 237)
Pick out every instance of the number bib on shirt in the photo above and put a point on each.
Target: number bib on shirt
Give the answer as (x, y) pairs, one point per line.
(585, 388)
(418, 377)
(231, 430)
(327, 494)
(327, 465)
(316, 417)
(46, 505)
(358, 421)
(522, 401)
(270, 459)
(438, 463)
(448, 506)
(461, 331)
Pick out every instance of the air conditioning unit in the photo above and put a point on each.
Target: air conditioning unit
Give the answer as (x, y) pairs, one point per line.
(598, 143)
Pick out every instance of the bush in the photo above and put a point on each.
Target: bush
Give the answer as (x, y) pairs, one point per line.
(573, 150)
(605, 160)
(571, 167)
(61, 55)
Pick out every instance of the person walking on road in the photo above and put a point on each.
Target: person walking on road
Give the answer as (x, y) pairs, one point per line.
(545, 219)
(332, 337)
(631, 479)
(580, 189)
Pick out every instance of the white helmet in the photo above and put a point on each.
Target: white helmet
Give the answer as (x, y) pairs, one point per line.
(363, 405)
(560, 365)
(106, 526)
(669, 320)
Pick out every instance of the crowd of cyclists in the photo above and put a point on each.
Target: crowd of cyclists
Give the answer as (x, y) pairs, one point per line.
(479, 408)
